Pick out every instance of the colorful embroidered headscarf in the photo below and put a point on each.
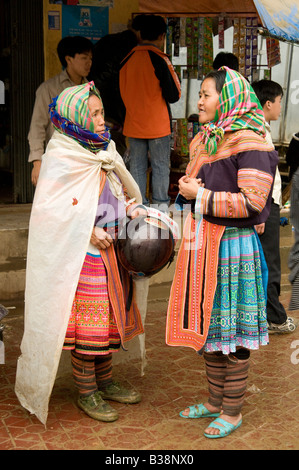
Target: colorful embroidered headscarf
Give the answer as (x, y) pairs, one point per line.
(70, 115)
(239, 108)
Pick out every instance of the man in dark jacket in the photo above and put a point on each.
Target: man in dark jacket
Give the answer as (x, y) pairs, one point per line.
(292, 155)
(108, 53)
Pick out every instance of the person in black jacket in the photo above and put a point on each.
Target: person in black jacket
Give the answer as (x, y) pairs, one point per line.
(292, 155)
(108, 53)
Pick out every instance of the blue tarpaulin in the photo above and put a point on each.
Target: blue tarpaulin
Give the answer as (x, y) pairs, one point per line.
(280, 18)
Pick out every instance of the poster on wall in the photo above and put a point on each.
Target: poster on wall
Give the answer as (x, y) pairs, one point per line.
(54, 20)
(88, 21)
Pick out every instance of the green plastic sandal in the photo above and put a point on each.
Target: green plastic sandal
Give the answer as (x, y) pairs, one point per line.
(199, 411)
(225, 430)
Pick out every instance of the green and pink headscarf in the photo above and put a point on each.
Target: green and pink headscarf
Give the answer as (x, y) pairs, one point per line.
(70, 116)
(238, 108)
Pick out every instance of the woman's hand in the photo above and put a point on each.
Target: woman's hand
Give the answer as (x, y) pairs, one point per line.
(188, 187)
(101, 239)
(138, 212)
(35, 171)
(260, 228)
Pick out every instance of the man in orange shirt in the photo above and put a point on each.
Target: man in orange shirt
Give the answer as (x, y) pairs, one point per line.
(148, 83)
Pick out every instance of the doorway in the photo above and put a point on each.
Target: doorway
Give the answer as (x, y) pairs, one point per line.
(21, 72)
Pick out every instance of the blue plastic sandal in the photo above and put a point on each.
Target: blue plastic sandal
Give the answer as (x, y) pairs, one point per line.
(225, 430)
(199, 411)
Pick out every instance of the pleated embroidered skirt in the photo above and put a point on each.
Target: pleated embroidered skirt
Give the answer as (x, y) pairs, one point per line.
(92, 328)
(239, 315)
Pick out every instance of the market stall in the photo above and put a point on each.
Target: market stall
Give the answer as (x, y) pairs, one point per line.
(192, 30)
(252, 30)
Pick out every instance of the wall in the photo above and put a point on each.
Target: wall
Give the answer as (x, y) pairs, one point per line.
(118, 19)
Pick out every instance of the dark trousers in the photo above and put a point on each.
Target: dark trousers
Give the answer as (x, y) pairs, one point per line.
(270, 243)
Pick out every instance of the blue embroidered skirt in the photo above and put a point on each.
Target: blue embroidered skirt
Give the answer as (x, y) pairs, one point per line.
(239, 316)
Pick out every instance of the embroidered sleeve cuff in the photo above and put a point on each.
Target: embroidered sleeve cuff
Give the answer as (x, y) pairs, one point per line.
(198, 202)
(181, 203)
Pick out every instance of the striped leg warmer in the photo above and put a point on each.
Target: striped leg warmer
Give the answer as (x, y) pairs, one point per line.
(84, 373)
(236, 384)
(103, 370)
(216, 364)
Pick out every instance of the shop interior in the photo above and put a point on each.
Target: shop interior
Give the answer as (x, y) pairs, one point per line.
(192, 43)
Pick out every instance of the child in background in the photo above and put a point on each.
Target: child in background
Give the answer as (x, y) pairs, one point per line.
(270, 95)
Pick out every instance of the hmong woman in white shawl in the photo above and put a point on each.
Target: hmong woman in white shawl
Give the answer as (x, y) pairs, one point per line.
(75, 296)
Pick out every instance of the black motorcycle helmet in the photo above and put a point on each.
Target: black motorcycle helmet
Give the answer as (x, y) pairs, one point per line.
(146, 244)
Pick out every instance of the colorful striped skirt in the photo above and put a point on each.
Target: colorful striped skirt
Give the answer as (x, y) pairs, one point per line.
(92, 327)
(239, 315)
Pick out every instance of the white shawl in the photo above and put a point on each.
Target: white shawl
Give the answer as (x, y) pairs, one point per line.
(61, 223)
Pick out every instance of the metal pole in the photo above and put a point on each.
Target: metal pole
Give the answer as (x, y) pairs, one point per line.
(282, 127)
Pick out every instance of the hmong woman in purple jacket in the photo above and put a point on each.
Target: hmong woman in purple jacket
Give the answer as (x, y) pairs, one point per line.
(217, 303)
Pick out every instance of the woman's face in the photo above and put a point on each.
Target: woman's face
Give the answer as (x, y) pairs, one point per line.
(97, 114)
(208, 101)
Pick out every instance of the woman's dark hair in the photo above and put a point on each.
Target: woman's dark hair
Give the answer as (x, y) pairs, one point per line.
(219, 77)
